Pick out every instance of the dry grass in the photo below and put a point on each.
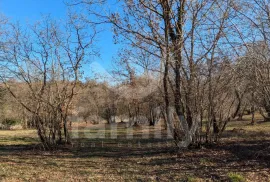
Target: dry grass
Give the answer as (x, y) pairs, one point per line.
(18, 137)
(137, 159)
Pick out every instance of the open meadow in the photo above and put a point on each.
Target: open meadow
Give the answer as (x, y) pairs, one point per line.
(242, 155)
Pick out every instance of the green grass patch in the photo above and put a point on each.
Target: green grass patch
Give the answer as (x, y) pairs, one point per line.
(236, 177)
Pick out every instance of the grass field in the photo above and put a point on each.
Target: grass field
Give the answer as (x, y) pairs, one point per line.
(242, 155)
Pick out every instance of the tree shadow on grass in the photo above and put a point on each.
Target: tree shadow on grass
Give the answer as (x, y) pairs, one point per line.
(146, 157)
(17, 144)
(217, 161)
(122, 148)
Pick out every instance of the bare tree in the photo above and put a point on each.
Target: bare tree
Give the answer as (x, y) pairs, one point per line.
(182, 35)
(46, 60)
(255, 60)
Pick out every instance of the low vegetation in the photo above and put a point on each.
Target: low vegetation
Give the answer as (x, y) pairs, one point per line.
(241, 156)
(235, 177)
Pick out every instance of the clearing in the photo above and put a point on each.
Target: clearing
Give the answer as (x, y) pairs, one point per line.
(242, 155)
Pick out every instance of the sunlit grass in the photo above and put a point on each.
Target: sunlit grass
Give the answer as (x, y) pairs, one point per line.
(259, 125)
(18, 137)
(113, 162)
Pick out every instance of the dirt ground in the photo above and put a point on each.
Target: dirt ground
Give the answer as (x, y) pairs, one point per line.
(243, 154)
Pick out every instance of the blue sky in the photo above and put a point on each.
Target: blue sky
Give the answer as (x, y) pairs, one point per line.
(29, 11)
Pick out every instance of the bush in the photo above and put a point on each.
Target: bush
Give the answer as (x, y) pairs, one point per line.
(9, 123)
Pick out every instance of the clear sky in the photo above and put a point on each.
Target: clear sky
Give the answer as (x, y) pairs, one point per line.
(29, 11)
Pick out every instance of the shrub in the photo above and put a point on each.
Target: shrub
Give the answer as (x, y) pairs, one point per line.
(8, 123)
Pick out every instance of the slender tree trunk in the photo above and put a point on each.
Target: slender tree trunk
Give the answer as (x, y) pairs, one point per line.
(252, 115)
